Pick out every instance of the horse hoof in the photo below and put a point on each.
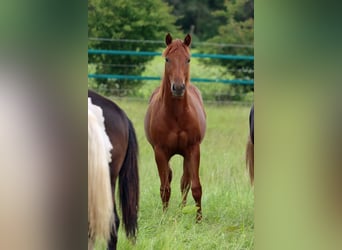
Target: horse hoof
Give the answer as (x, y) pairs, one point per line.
(165, 206)
(198, 217)
(182, 204)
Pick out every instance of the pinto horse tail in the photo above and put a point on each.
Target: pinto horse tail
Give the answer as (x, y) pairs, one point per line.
(129, 186)
(100, 201)
(250, 158)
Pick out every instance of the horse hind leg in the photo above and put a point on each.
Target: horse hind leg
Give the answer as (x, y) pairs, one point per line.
(165, 190)
(114, 236)
(90, 244)
(170, 174)
(185, 183)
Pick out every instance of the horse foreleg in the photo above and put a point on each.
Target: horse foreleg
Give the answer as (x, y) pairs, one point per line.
(196, 188)
(165, 175)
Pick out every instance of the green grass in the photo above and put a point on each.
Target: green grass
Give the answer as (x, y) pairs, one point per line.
(227, 199)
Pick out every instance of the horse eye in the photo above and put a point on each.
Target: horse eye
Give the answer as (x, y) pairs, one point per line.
(188, 61)
(166, 59)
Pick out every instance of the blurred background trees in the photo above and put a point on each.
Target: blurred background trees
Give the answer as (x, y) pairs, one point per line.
(217, 27)
(126, 19)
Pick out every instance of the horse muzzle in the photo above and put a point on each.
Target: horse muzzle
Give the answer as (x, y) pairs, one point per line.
(178, 90)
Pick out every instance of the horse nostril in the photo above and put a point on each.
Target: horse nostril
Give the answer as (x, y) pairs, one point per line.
(183, 86)
(173, 87)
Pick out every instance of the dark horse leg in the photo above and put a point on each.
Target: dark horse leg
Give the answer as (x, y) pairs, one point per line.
(191, 163)
(165, 175)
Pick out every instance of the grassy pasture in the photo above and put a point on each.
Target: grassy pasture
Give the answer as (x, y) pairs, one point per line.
(227, 199)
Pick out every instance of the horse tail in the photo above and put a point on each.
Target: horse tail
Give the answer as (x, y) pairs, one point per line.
(250, 158)
(100, 202)
(129, 186)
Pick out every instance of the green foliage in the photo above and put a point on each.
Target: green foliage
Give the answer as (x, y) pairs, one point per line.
(238, 29)
(195, 17)
(122, 19)
(227, 200)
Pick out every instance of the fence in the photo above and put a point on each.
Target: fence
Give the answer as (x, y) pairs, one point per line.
(148, 53)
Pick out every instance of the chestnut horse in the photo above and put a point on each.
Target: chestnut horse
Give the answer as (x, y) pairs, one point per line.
(123, 164)
(175, 123)
(250, 146)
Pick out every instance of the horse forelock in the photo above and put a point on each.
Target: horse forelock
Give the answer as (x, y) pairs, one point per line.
(175, 46)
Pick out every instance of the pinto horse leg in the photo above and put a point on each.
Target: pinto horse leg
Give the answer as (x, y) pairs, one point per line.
(114, 236)
(165, 175)
(90, 244)
(194, 160)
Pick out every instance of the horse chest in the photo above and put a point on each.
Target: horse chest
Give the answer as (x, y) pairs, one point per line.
(174, 129)
(181, 135)
(178, 140)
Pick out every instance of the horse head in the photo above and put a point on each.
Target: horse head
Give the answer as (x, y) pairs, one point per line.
(177, 64)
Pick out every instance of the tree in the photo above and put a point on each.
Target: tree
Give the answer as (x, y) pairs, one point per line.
(133, 20)
(238, 30)
(196, 17)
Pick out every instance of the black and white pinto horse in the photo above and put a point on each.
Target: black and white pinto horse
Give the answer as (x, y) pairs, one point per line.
(112, 155)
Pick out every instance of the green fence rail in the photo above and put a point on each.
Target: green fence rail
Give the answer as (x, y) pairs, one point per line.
(155, 78)
(149, 53)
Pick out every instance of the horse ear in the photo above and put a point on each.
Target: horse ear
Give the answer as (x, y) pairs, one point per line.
(168, 39)
(187, 40)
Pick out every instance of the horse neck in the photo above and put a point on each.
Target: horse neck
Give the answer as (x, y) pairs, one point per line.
(171, 103)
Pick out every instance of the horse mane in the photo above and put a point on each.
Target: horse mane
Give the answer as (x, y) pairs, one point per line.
(175, 45)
